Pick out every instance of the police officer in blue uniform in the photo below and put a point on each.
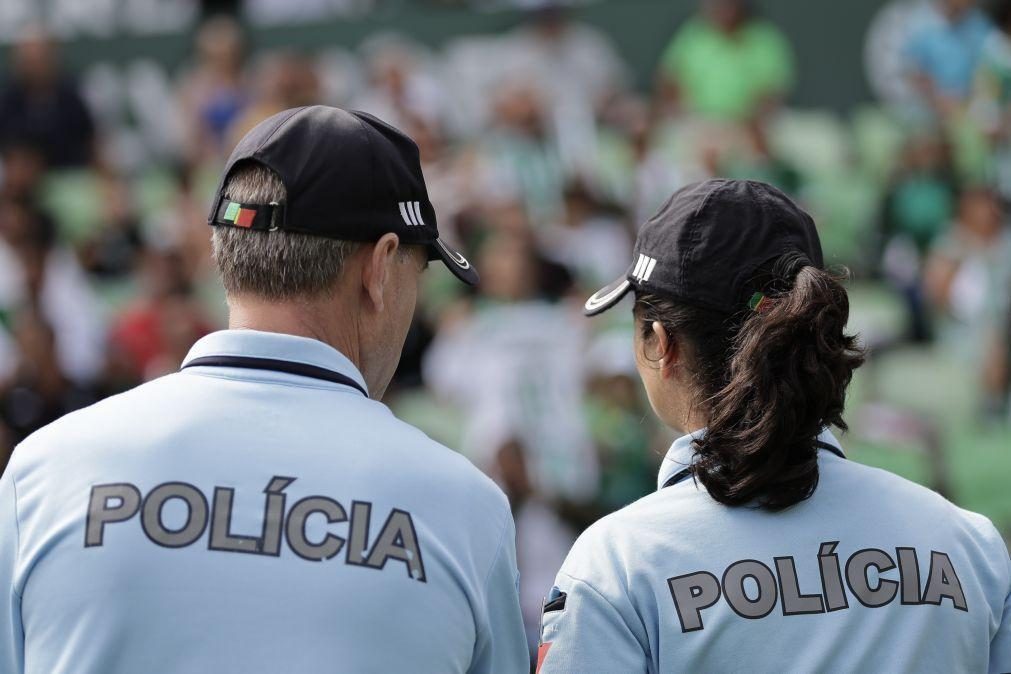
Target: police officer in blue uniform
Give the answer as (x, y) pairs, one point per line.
(261, 510)
(764, 549)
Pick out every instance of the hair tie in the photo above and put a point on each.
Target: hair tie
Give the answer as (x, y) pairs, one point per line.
(760, 304)
(788, 265)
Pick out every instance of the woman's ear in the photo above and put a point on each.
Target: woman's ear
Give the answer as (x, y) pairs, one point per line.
(667, 350)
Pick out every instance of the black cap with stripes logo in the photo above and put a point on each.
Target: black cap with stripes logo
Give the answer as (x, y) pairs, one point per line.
(348, 176)
(706, 243)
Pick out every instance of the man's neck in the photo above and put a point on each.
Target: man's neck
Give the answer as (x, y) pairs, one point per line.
(293, 318)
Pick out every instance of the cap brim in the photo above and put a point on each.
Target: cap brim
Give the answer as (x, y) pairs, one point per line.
(607, 297)
(456, 262)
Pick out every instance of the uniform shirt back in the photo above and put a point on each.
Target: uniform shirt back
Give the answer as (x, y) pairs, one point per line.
(872, 573)
(246, 520)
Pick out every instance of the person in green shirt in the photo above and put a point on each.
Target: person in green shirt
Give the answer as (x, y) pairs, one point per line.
(726, 64)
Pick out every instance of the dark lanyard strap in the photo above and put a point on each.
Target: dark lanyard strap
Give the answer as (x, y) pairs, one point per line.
(287, 366)
(677, 477)
(686, 473)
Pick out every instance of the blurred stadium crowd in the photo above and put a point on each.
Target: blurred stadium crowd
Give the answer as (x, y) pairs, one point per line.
(541, 160)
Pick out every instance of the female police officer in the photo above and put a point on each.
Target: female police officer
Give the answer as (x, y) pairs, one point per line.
(764, 549)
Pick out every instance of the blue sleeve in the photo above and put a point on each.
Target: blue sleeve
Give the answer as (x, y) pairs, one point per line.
(501, 640)
(584, 631)
(12, 638)
(1000, 646)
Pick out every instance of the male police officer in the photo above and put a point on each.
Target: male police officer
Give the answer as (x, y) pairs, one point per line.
(261, 511)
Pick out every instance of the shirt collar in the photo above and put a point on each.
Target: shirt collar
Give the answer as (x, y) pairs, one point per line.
(682, 453)
(276, 345)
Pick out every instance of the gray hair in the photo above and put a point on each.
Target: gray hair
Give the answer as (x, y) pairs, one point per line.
(274, 265)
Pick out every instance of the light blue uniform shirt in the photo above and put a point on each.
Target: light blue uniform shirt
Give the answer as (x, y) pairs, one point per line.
(871, 574)
(241, 520)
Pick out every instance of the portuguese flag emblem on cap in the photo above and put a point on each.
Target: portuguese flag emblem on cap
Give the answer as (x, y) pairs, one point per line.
(239, 216)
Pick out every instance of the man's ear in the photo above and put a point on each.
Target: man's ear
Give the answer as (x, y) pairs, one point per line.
(667, 348)
(377, 269)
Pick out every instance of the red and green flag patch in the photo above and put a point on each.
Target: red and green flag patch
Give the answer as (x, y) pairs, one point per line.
(239, 216)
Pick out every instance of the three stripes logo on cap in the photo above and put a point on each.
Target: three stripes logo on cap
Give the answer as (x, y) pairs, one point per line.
(239, 216)
(410, 211)
(643, 268)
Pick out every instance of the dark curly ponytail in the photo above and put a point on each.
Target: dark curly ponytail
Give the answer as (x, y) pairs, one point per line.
(769, 380)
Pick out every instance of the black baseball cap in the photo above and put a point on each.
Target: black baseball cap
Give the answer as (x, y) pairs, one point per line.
(707, 242)
(348, 175)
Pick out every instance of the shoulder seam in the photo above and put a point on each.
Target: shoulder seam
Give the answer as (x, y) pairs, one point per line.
(17, 531)
(498, 553)
(613, 607)
(595, 590)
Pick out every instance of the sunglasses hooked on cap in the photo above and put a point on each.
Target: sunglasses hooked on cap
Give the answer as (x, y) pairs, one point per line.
(348, 176)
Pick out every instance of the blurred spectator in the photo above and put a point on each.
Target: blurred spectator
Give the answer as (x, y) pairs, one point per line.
(6, 446)
(991, 99)
(591, 240)
(943, 54)
(214, 93)
(917, 207)
(523, 155)
(111, 252)
(969, 278)
(620, 423)
(754, 159)
(38, 392)
(23, 168)
(183, 225)
(37, 271)
(514, 364)
(151, 337)
(726, 63)
(284, 80)
(573, 65)
(280, 12)
(543, 539)
(655, 172)
(401, 89)
(41, 106)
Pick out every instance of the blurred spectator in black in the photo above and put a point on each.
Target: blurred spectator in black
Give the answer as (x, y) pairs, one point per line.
(726, 63)
(6, 445)
(111, 252)
(38, 392)
(943, 53)
(214, 93)
(41, 105)
(22, 168)
(918, 206)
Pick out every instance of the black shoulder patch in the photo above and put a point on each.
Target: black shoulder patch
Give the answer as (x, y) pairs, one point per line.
(555, 601)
